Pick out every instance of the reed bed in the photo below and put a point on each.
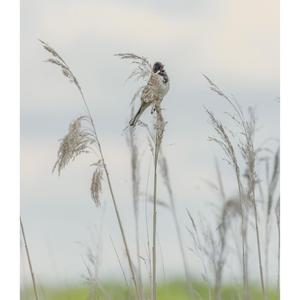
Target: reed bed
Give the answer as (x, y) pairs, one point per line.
(254, 204)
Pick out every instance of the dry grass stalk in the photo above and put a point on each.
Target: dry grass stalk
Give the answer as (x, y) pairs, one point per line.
(272, 184)
(120, 264)
(246, 146)
(277, 214)
(274, 180)
(165, 175)
(212, 245)
(91, 263)
(220, 181)
(29, 261)
(148, 247)
(249, 154)
(159, 127)
(58, 60)
(135, 179)
(226, 145)
(143, 70)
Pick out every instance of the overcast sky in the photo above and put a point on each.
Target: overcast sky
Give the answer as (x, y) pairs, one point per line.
(234, 42)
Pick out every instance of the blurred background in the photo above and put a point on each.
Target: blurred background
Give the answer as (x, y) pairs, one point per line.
(235, 43)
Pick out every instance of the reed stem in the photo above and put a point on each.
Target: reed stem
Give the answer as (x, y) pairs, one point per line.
(154, 219)
(29, 261)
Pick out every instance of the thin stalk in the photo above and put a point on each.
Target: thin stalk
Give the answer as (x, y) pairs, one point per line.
(266, 239)
(277, 212)
(278, 262)
(185, 265)
(249, 154)
(58, 60)
(147, 233)
(154, 219)
(159, 130)
(113, 198)
(258, 247)
(120, 263)
(165, 173)
(244, 232)
(271, 187)
(135, 197)
(267, 243)
(220, 262)
(29, 261)
(138, 250)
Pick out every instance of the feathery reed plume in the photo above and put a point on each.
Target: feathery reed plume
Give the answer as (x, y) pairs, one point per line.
(96, 184)
(29, 261)
(142, 65)
(78, 140)
(58, 60)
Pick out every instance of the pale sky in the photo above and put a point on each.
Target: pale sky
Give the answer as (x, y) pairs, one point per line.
(234, 42)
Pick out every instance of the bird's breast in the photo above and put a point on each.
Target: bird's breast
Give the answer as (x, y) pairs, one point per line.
(163, 87)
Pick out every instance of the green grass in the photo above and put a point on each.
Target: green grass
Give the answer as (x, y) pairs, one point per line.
(174, 290)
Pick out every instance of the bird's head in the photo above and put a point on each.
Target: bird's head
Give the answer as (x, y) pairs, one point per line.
(158, 67)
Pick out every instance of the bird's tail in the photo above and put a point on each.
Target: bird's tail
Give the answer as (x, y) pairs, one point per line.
(134, 120)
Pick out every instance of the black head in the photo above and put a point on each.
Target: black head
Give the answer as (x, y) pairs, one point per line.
(158, 67)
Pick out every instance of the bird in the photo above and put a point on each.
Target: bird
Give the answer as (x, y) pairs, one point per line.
(153, 93)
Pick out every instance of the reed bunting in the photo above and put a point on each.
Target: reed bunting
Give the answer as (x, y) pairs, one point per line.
(153, 93)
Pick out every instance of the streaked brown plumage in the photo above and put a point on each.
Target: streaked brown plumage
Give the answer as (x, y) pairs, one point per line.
(154, 92)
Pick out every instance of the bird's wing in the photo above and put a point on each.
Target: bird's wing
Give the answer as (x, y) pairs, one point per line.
(147, 94)
(150, 92)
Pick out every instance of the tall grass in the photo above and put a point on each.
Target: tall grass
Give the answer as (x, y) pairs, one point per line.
(29, 261)
(135, 179)
(271, 189)
(159, 130)
(210, 239)
(277, 213)
(165, 174)
(142, 70)
(81, 140)
(245, 144)
(225, 143)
